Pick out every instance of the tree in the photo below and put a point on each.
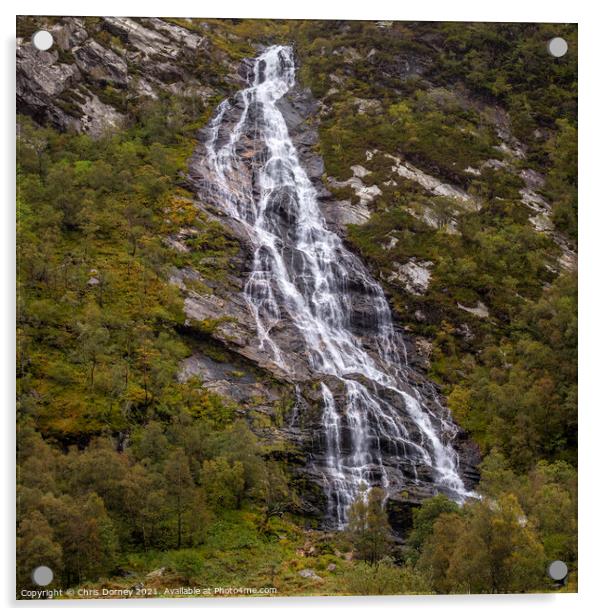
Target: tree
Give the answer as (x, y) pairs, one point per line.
(275, 493)
(368, 525)
(143, 505)
(179, 487)
(99, 468)
(86, 535)
(36, 546)
(196, 519)
(491, 547)
(68, 200)
(424, 518)
(448, 529)
(150, 444)
(238, 444)
(562, 179)
(223, 482)
(93, 339)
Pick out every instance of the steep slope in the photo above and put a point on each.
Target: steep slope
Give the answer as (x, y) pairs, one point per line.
(308, 293)
(278, 292)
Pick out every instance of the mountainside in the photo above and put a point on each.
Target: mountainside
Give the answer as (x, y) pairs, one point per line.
(350, 260)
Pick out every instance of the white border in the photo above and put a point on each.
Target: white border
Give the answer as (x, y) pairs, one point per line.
(590, 97)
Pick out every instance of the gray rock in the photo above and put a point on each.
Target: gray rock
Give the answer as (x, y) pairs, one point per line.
(365, 194)
(157, 573)
(413, 275)
(100, 64)
(148, 41)
(40, 79)
(98, 117)
(70, 33)
(480, 310)
(309, 574)
(59, 92)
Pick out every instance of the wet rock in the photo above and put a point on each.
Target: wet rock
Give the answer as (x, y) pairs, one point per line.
(400, 456)
(234, 382)
(400, 507)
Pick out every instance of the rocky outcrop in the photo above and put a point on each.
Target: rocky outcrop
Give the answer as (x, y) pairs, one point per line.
(233, 323)
(480, 310)
(140, 58)
(101, 64)
(413, 275)
(40, 80)
(434, 185)
(365, 194)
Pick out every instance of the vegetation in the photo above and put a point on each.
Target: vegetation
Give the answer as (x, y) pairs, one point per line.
(368, 525)
(124, 470)
(511, 376)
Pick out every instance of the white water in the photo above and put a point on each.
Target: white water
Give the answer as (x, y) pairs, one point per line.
(302, 271)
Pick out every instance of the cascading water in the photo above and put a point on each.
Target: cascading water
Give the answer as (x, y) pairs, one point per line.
(376, 430)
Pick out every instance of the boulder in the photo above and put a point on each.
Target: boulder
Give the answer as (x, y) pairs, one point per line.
(309, 574)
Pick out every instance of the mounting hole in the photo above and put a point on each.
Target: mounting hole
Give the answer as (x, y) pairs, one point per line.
(42, 576)
(42, 40)
(557, 47)
(558, 570)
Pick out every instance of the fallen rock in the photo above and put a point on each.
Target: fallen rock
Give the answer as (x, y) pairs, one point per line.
(309, 574)
(414, 275)
(157, 573)
(480, 310)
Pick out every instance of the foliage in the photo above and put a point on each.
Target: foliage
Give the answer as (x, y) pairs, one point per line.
(522, 397)
(488, 548)
(424, 518)
(384, 578)
(368, 526)
(121, 465)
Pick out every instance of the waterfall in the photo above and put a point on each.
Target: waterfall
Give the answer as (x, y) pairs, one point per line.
(376, 427)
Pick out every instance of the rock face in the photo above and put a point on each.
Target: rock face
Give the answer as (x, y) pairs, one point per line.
(415, 276)
(434, 185)
(230, 175)
(142, 58)
(137, 58)
(102, 65)
(480, 310)
(40, 80)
